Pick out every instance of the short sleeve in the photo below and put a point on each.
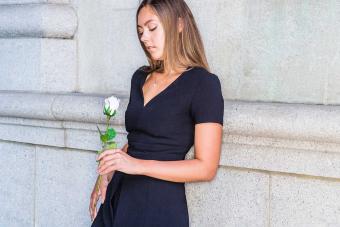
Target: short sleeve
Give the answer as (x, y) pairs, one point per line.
(207, 103)
(134, 83)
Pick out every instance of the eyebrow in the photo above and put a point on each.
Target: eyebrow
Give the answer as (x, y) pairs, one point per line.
(146, 22)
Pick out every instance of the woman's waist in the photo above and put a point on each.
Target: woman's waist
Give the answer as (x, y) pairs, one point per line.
(161, 155)
(140, 180)
(159, 145)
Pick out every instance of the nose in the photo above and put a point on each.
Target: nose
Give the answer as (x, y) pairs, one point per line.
(145, 37)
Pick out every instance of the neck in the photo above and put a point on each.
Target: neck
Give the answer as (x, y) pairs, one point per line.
(175, 70)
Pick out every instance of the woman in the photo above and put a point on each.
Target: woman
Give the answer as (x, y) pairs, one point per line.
(174, 103)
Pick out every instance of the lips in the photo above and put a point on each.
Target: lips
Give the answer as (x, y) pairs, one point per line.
(150, 47)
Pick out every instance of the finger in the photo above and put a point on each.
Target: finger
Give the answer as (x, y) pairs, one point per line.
(104, 194)
(107, 158)
(92, 205)
(94, 197)
(108, 161)
(105, 166)
(108, 169)
(106, 152)
(95, 213)
(103, 187)
(90, 211)
(92, 215)
(94, 210)
(94, 200)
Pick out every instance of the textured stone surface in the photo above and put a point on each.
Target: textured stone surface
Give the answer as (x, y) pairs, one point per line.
(280, 120)
(273, 51)
(37, 20)
(263, 51)
(63, 135)
(66, 107)
(27, 105)
(304, 202)
(279, 164)
(319, 123)
(17, 184)
(64, 182)
(32, 1)
(332, 96)
(109, 51)
(58, 1)
(40, 65)
(32, 135)
(89, 108)
(89, 140)
(233, 198)
(251, 130)
(317, 160)
(116, 5)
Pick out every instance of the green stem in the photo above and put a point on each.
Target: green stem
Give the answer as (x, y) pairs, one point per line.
(107, 127)
(107, 122)
(99, 179)
(98, 183)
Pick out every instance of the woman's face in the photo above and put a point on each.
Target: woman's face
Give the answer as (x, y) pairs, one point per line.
(151, 32)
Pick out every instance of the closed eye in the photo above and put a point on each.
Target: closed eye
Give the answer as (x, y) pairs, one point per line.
(152, 29)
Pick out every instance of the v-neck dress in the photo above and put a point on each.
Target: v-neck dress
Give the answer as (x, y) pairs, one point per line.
(162, 130)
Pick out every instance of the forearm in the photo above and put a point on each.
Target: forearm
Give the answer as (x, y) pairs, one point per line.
(176, 171)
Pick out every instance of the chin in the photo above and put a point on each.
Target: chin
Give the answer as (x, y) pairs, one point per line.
(156, 58)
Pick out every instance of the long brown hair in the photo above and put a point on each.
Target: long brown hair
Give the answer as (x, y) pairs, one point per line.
(181, 49)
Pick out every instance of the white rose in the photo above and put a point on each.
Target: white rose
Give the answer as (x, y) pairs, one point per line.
(111, 104)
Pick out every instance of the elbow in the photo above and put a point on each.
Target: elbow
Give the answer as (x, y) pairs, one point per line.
(208, 170)
(210, 174)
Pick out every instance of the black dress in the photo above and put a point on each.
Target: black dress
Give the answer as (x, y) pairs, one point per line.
(163, 130)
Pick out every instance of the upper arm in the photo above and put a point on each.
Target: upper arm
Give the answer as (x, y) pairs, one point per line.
(133, 82)
(207, 110)
(208, 142)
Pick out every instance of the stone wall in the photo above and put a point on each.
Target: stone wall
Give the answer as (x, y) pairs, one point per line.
(276, 60)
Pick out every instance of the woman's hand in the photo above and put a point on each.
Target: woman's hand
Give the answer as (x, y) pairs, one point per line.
(96, 194)
(117, 159)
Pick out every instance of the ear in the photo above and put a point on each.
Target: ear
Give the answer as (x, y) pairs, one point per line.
(180, 24)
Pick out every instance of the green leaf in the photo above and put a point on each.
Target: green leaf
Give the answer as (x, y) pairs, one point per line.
(105, 110)
(111, 133)
(104, 138)
(108, 112)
